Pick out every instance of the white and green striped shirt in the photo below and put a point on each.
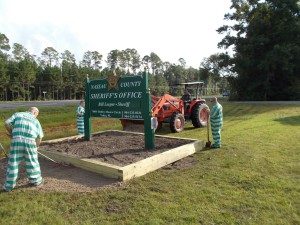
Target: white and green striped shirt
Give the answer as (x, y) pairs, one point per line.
(80, 111)
(25, 125)
(216, 115)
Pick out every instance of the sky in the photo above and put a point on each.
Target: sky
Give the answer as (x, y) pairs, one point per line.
(172, 29)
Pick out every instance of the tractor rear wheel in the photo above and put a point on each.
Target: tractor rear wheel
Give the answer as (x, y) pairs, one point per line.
(199, 115)
(177, 122)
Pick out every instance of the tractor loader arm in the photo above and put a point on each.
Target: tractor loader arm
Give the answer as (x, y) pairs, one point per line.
(177, 104)
(163, 108)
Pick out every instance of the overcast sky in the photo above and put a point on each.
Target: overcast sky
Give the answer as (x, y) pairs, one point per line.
(172, 29)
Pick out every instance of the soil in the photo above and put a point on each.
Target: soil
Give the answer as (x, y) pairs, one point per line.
(117, 148)
(61, 178)
(67, 178)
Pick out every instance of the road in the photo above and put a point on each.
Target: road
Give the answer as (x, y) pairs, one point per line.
(14, 105)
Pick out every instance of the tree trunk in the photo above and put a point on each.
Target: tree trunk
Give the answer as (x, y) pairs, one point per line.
(40, 91)
(28, 92)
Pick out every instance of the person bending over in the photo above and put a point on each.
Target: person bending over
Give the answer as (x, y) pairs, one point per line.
(26, 135)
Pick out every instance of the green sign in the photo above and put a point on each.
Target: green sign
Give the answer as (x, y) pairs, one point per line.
(125, 97)
(125, 100)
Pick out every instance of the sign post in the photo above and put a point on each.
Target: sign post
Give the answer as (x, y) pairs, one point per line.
(147, 115)
(87, 114)
(125, 97)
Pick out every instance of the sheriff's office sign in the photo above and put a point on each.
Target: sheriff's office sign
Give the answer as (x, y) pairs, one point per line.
(125, 97)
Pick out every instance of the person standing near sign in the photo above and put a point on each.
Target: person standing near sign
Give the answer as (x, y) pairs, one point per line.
(80, 117)
(216, 122)
(26, 133)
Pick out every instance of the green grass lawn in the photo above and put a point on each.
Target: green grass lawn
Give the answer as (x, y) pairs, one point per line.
(252, 179)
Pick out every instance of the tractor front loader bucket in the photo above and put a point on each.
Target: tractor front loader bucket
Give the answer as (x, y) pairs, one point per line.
(132, 125)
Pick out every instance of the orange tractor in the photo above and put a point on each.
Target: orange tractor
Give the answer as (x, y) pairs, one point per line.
(175, 111)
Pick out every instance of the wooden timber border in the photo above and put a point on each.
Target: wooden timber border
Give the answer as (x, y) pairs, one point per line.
(129, 171)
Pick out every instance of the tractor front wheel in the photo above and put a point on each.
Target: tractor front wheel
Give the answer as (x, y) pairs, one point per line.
(199, 115)
(159, 126)
(177, 123)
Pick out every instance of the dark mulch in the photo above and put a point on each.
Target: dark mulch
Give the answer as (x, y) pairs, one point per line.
(117, 148)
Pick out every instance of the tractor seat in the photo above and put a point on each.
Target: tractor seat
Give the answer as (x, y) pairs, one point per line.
(186, 98)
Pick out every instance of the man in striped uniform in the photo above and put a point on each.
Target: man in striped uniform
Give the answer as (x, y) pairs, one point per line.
(26, 133)
(80, 117)
(216, 122)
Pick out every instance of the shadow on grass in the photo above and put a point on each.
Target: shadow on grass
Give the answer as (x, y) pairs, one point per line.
(238, 112)
(290, 120)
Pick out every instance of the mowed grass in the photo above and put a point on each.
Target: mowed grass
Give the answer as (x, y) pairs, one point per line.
(252, 179)
(57, 122)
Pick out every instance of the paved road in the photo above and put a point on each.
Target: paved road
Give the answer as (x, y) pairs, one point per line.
(13, 105)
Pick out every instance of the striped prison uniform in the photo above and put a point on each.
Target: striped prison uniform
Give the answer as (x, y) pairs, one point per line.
(216, 122)
(80, 119)
(25, 129)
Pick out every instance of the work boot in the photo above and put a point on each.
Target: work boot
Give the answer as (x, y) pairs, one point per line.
(214, 146)
(38, 184)
(5, 190)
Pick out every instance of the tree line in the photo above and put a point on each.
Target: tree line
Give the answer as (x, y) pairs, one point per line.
(54, 75)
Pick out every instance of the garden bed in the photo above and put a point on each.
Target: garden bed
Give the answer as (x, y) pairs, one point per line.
(119, 154)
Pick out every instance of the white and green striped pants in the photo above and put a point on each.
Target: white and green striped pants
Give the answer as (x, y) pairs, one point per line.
(216, 133)
(22, 149)
(80, 124)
